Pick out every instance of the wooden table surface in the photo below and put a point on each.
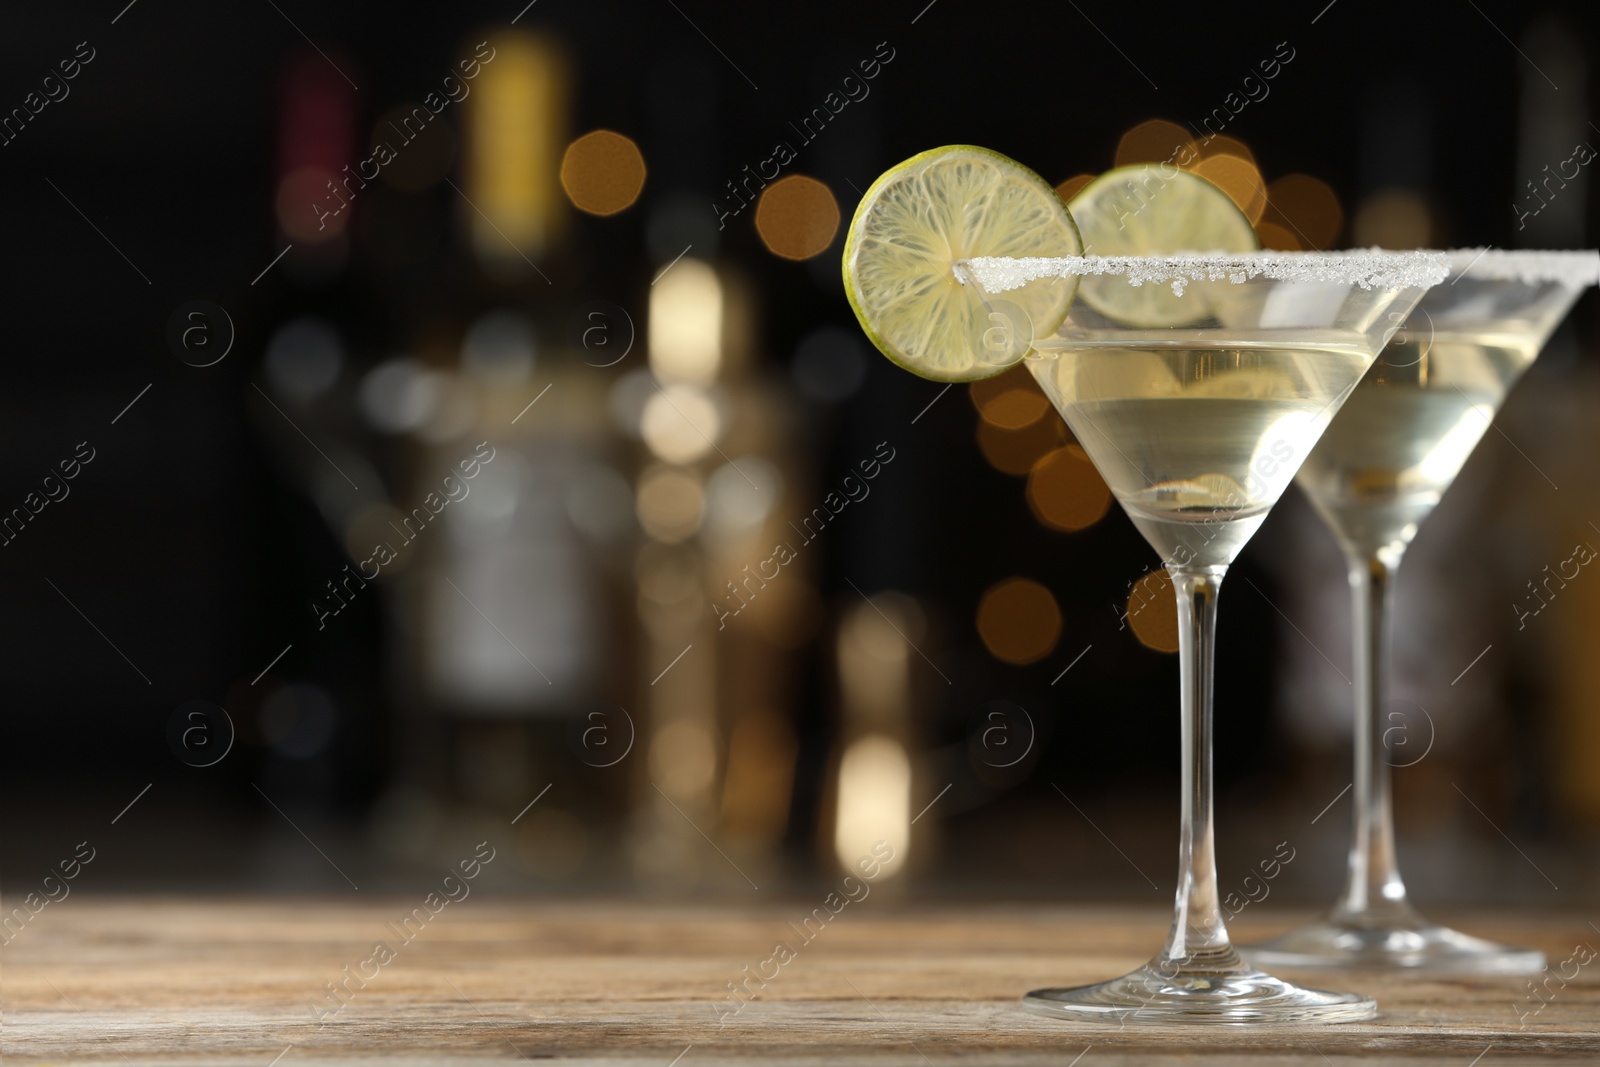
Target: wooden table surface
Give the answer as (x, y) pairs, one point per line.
(172, 981)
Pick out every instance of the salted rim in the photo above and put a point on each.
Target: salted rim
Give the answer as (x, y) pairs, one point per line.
(1575, 268)
(1367, 268)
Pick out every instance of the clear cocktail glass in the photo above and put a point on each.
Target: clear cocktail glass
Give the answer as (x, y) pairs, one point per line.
(1198, 417)
(1375, 477)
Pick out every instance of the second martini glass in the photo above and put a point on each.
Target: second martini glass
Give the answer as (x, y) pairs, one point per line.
(1377, 474)
(1198, 421)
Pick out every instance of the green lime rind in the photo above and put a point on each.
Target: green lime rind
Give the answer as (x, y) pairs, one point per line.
(917, 221)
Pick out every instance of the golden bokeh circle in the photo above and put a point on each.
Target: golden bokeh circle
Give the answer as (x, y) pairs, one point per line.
(602, 172)
(1239, 178)
(670, 503)
(1306, 207)
(1016, 451)
(1277, 238)
(1065, 491)
(1069, 188)
(797, 217)
(1011, 401)
(1153, 612)
(1016, 408)
(1220, 144)
(1019, 621)
(1155, 141)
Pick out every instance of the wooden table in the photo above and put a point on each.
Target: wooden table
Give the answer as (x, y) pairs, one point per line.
(140, 982)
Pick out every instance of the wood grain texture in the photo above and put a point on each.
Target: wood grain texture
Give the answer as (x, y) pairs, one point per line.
(146, 982)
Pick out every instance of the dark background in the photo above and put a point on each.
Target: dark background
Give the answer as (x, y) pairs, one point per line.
(191, 546)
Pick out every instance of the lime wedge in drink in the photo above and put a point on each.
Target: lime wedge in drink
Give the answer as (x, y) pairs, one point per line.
(1149, 209)
(916, 223)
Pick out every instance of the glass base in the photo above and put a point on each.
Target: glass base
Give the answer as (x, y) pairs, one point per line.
(1148, 996)
(1411, 942)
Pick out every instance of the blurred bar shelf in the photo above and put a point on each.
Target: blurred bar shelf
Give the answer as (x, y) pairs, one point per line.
(232, 981)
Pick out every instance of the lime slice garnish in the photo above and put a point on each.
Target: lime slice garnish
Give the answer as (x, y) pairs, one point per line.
(1245, 383)
(1152, 209)
(916, 223)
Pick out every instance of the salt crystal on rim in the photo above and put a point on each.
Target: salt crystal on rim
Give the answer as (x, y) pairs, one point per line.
(1576, 269)
(1367, 268)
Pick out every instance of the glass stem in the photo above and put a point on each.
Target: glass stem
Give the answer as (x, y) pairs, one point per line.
(1374, 887)
(1198, 942)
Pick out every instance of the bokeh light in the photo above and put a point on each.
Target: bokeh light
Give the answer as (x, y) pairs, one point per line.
(670, 504)
(1016, 451)
(683, 758)
(1221, 144)
(797, 217)
(1305, 207)
(602, 172)
(1277, 238)
(1153, 612)
(680, 423)
(1239, 178)
(303, 358)
(872, 646)
(740, 495)
(686, 323)
(600, 503)
(626, 398)
(1154, 141)
(1019, 621)
(455, 410)
(514, 119)
(1065, 491)
(498, 348)
(315, 141)
(1070, 188)
(399, 395)
(874, 800)
(1010, 401)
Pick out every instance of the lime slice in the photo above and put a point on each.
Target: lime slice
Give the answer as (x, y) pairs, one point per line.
(1201, 491)
(1151, 209)
(916, 223)
(1246, 383)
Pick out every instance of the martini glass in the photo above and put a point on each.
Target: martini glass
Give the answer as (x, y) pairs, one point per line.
(1383, 465)
(1198, 420)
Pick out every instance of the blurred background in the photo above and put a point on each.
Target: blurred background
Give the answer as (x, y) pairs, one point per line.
(473, 441)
